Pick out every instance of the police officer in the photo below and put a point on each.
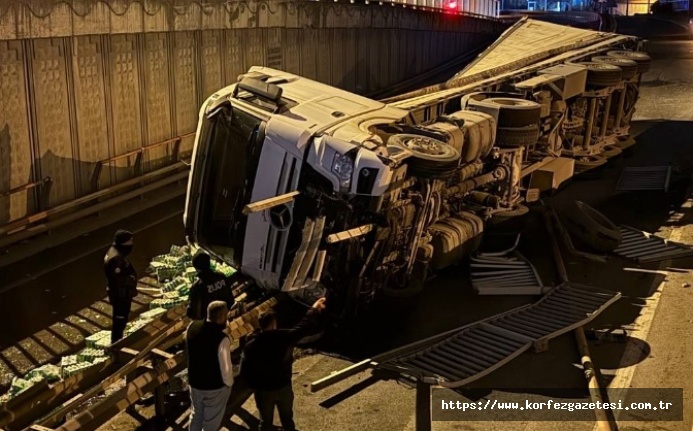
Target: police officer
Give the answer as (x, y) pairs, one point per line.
(122, 281)
(210, 286)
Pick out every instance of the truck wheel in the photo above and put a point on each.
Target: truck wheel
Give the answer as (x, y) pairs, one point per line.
(517, 136)
(643, 60)
(602, 74)
(430, 158)
(592, 227)
(516, 112)
(588, 163)
(628, 67)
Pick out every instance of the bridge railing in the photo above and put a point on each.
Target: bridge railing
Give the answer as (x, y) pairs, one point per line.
(485, 9)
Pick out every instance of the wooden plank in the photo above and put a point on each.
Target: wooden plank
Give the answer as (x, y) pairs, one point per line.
(162, 354)
(262, 205)
(340, 375)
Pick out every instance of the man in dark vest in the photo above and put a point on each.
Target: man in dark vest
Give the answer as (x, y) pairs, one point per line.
(267, 362)
(210, 286)
(209, 368)
(122, 281)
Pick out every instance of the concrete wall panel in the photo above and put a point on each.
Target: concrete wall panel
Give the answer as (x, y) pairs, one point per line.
(8, 24)
(187, 18)
(156, 18)
(130, 21)
(187, 103)
(109, 77)
(53, 118)
(254, 47)
(211, 63)
(309, 51)
(157, 98)
(90, 107)
(125, 102)
(274, 52)
(15, 141)
(94, 21)
(235, 62)
(325, 55)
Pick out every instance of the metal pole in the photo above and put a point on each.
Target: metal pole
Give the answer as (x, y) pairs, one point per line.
(423, 406)
(603, 423)
(605, 116)
(590, 123)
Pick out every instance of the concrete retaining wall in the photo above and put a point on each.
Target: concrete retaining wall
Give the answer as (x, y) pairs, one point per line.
(83, 81)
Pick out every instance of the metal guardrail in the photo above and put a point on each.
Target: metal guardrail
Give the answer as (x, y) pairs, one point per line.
(44, 187)
(139, 155)
(17, 230)
(452, 7)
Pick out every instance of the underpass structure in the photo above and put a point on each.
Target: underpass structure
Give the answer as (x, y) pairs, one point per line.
(100, 99)
(423, 106)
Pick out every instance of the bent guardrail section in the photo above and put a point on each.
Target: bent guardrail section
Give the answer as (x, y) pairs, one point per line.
(477, 350)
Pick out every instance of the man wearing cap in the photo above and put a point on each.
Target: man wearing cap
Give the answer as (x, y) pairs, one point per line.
(210, 286)
(122, 281)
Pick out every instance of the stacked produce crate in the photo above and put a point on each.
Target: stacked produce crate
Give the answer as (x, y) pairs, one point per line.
(174, 273)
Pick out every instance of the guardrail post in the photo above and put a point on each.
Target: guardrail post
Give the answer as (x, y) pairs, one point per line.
(176, 149)
(95, 176)
(44, 193)
(159, 395)
(423, 406)
(138, 163)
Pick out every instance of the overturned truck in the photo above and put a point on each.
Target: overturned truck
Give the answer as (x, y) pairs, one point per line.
(307, 188)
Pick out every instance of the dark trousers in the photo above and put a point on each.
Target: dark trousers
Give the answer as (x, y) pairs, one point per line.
(121, 311)
(283, 399)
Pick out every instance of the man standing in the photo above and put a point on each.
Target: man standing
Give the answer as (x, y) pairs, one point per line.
(210, 286)
(122, 281)
(209, 368)
(267, 364)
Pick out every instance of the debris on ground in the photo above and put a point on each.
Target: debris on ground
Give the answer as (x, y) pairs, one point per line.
(175, 274)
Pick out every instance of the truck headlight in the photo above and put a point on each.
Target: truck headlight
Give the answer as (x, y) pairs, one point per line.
(343, 167)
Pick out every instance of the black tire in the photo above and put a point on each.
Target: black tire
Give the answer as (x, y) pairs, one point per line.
(431, 158)
(602, 74)
(589, 163)
(517, 136)
(643, 60)
(592, 227)
(516, 112)
(628, 67)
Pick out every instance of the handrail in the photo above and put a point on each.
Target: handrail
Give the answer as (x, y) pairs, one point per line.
(413, 4)
(45, 188)
(98, 168)
(26, 187)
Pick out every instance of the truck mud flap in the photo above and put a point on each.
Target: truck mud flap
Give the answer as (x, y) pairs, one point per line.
(473, 351)
(305, 256)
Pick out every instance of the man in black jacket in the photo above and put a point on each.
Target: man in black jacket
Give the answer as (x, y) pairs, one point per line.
(210, 286)
(209, 368)
(122, 281)
(267, 364)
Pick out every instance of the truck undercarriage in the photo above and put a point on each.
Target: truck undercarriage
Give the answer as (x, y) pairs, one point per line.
(336, 192)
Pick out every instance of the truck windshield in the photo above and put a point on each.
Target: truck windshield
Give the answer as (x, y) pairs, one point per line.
(233, 145)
